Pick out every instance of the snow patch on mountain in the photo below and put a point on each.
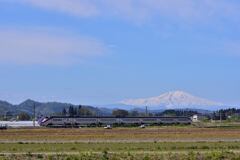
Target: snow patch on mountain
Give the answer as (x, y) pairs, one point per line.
(175, 99)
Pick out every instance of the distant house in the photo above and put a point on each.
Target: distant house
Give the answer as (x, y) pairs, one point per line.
(194, 118)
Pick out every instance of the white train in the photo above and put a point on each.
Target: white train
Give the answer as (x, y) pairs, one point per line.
(63, 121)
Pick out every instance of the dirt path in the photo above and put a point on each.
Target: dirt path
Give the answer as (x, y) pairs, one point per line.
(117, 152)
(121, 140)
(164, 134)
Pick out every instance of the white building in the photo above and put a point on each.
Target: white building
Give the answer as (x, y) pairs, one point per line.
(194, 118)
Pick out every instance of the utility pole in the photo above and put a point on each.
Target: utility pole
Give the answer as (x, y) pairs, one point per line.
(220, 116)
(34, 114)
(146, 111)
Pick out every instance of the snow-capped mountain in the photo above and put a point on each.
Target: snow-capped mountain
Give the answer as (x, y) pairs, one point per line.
(174, 100)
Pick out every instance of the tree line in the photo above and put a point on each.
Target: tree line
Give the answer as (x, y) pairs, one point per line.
(77, 111)
(82, 111)
(224, 114)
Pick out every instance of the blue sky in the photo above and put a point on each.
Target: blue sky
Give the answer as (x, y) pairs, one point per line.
(104, 51)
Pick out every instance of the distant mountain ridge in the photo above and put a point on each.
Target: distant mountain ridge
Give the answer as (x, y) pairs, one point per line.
(5, 106)
(169, 100)
(46, 108)
(174, 100)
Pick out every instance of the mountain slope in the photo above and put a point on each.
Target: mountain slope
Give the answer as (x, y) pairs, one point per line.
(47, 108)
(117, 106)
(5, 107)
(173, 100)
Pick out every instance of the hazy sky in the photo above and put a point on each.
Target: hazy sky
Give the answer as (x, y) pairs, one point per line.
(104, 51)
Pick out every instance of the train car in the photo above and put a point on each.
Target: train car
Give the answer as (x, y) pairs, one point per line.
(150, 120)
(65, 121)
(130, 120)
(79, 121)
(108, 120)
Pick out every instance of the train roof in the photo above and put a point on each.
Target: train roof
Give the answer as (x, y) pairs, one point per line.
(117, 117)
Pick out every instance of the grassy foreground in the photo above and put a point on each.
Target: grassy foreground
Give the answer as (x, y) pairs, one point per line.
(127, 156)
(141, 151)
(117, 147)
(120, 134)
(152, 143)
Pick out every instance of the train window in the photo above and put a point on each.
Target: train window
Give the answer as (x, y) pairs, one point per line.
(108, 119)
(131, 119)
(57, 119)
(86, 119)
(149, 119)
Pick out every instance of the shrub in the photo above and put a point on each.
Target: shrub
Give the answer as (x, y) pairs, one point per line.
(73, 148)
(105, 155)
(40, 156)
(205, 147)
(146, 157)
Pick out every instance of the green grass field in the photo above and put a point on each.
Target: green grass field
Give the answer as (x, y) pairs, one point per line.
(212, 155)
(154, 150)
(165, 143)
(149, 134)
(117, 147)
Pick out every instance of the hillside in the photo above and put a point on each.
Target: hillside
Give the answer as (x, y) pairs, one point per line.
(169, 100)
(174, 100)
(47, 108)
(5, 106)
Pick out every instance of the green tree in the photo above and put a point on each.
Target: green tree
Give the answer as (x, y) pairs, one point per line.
(120, 113)
(84, 112)
(24, 117)
(71, 111)
(134, 113)
(64, 112)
